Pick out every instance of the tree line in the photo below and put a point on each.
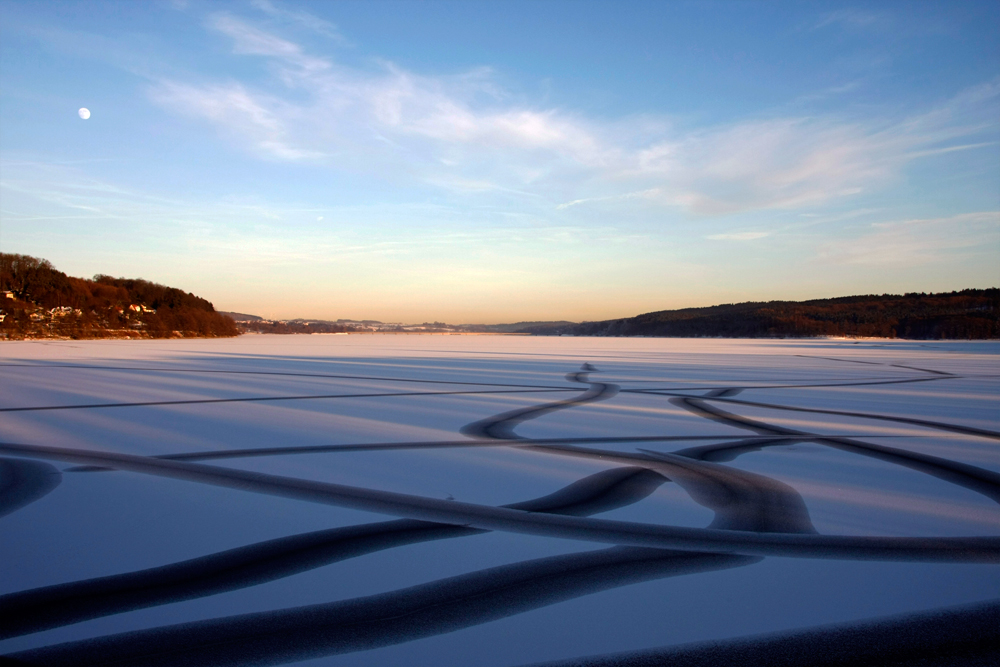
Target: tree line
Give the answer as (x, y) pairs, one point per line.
(41, 301)
(968, 314)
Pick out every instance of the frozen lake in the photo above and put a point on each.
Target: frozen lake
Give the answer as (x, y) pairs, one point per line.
(485, 500)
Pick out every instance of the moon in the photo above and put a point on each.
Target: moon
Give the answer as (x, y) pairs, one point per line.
(84, 113)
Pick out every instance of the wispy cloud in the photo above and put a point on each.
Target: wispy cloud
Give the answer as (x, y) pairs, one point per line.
(68, 192)
(850, 18)
(779, 163)
(240, 113)
(642, 194)
(465, 133)
(301, 18)
(738, 236)
(951, 149)
(248, 40)
(830, 92)
(250, 229)
(918, 241)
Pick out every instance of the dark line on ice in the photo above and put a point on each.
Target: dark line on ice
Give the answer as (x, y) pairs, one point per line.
(277, 373)
(63, 604)
(276, 398)
(824, 385)
(963, 637)
(953, 549)
(741, 500)
(217, 454)
(501, 426)
(980, 480)
(447, 605)
(943, 426)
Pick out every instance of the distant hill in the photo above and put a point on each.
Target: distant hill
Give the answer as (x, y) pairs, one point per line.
(40, 302)
(969, 314)
(517, 327)
(298, 326)
(241, 317)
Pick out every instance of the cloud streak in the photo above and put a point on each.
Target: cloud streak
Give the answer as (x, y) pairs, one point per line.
(464, 132)
(304, 19)
(917, 241)
(738, 236)
(850, 18)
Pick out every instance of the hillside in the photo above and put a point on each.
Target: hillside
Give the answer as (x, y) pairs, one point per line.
(39, 301)
(968, 314)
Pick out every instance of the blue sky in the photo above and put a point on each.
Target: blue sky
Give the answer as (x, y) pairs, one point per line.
(504, 161)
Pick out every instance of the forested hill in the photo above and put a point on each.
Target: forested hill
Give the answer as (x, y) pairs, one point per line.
(971, 313)
(38, 301)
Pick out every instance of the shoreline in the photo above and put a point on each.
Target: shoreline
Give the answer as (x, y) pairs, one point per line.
(134, 336)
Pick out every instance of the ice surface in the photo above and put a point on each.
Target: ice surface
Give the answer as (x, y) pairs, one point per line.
(794, 440)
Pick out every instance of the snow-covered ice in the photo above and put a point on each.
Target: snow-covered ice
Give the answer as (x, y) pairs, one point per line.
(840, 479)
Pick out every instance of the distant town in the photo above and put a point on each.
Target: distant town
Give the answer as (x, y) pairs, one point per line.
(255, 324)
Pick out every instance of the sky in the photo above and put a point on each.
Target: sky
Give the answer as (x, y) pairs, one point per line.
(484, 162)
